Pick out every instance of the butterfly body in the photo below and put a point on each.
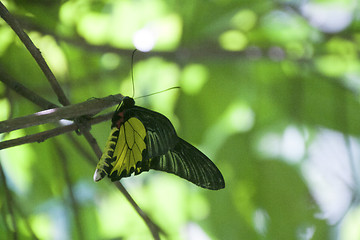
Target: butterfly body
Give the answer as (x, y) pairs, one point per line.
(141, 139)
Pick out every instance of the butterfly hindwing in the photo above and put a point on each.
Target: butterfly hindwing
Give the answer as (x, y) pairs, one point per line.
(123, 152)
(187, 162)
(129, 148)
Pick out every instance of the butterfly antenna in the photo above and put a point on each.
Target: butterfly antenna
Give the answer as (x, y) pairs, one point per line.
(159, 92)
(132, 71)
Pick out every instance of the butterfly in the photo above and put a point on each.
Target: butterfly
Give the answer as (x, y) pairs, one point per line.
(141, 139)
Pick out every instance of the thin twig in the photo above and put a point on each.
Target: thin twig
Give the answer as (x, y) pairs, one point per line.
(88, 155)
(25, 92)
(155, 229)
(25, 218)
(86, 108)
(73, 202)
(9, 202)
(42, 136)
(93, 143)
(35, 52)
(205, 51)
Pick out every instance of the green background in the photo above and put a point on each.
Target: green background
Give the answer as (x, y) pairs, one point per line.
(269, 91)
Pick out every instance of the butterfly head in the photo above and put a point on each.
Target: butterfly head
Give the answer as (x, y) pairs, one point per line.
(118, 117)
(128, 102)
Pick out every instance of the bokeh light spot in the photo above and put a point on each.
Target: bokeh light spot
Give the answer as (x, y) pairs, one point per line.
(233, 40)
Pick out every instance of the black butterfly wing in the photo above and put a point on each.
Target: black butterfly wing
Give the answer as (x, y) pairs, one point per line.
(187, 162)
(160, 133)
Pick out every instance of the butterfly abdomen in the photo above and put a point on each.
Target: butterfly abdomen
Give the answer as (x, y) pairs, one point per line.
(103, 167)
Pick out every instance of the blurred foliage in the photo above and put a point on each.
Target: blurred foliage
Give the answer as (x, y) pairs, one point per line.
(264, 84)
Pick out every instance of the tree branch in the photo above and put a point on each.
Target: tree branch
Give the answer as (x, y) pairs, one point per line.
(182, 55)
(42, 136)
(87, 108)
(25, 218)
(88, 155)
(24, 91)
(35, 52)
(9, 202)
(73, 201)
(155, 229)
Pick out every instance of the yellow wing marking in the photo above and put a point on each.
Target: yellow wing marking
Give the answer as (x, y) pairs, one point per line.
(129, 147)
